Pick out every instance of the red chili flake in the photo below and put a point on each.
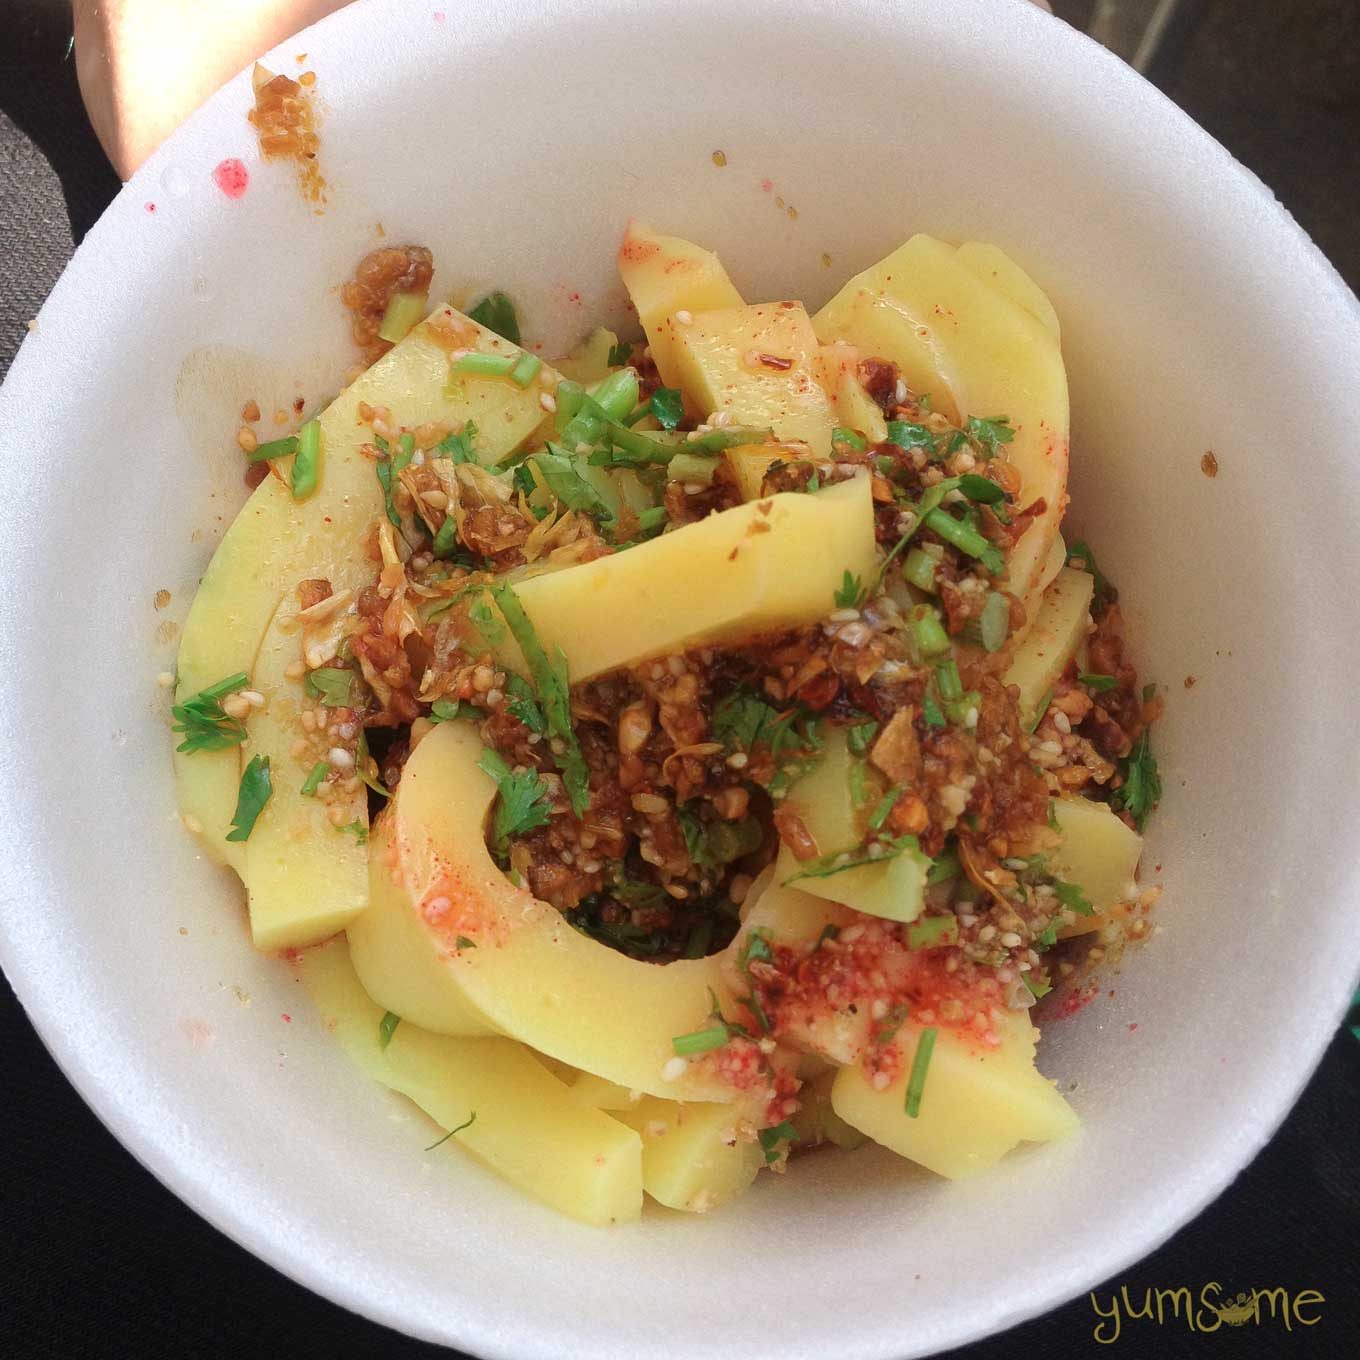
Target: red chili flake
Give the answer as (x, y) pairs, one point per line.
(151, 207)
(287, 1019)
(767, 185)
(1070, 1004)
(1133, 1025)
(232, 177)
(574, 297)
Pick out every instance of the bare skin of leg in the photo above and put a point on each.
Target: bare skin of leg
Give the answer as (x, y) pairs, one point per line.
(145, 65)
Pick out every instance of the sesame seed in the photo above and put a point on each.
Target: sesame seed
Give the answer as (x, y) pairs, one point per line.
(165, 680)
(684, 318)
(987, 932)
(881, 1081)
(547, 401)
(674, 1069)
(1011, 940)
(253, 697)
(235, 706)
(339, 759)
(900, 392)
(1051, 748)
(737, 760)
(843, 616)
(1062, 722)
(246, 439)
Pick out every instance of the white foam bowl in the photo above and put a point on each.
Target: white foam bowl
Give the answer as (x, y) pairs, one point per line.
(515, 140)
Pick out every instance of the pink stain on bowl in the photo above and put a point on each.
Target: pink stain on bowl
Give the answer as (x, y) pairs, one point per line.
(151, 207)
(439, 16)
(232, 177)
(767, 185)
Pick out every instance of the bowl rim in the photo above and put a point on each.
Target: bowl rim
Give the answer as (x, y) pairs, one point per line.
(240, 1221)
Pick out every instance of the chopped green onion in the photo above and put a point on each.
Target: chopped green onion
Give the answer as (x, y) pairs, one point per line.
(930, 711)
(1099, 683)
(852, 439)
(1037, 989)
(715, 441)
(620, 354)
(920, 1065)
(929, 631)
(932, 932)
(526, 369)
(387, 1027)
(446, 540)
(990, 629)
(403, 311)
(945, 868)
(701, 1041)
(497, 313)
(919, 568)
(617, 394)
(860, 737)
(697, 469)
(966, 539)
(485, 365)
(307, 463)
(276, 448)
(313, 780)
(885, 805)
(947, 676)
(254, 792)
(361, 759)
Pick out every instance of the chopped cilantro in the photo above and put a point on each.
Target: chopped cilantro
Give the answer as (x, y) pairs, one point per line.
(466, 1124)
(564, 480)
(1101, 684)
(462, 942)
(1142, 787)
(696, 842)
(945, 868)
(358, 830)
(523, 705)
(451, 710)
(550, 681)
(907, 434)
(458, 447)
(771, 1138)
(203, 723)
(620, 354)
(850, 593)
(1079, 555)
(307, 465)
(313, 780)
(254, 792)
(525, 801)
(667, 407)
(885, 806)
(981, 489)
(852, 439)
(333, 685)
(989, 433)
(361, 763)
(497, 313)
(755, 949)
(387, 1026)
(387, 468)
(1072, 897)
(1037, 989)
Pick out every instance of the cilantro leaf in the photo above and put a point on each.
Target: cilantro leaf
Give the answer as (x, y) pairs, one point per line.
(387, 468)
(666, 406)
(523, 705)
(203, 723)
(696, 843)
(907, 434)
(1072, 897)
(358, 830)
(554, 693)
(497, 313)
(981, 489)
(317, 773)
(1079, 555)
(564, 480)
(852, 439)
(254, 792)
(1100, 684)
(451, 710)
(333, 685)
(1142, 787)
(458, 447)
(851, 591)
(524, 799)
(989, 433)
(771, 1138)
(620, 354)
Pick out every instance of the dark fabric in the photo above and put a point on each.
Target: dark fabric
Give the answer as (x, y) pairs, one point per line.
(97, 1260)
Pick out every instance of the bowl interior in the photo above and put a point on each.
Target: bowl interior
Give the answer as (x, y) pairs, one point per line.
(515, 140)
